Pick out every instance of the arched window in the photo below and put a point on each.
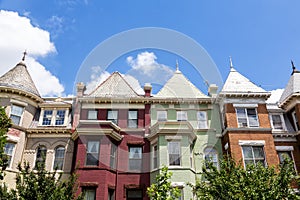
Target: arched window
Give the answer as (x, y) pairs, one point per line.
(41, 153)
(59, 158)
(211, 155)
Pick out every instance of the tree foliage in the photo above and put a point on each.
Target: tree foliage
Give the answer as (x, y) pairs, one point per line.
(5, 124)
(162, 188)
(233, 181)
(40, 184)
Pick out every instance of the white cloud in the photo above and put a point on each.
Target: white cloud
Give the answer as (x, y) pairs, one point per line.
(55, 25)
(17, 34)
(147, 70)
(275, 96)
(98, 76)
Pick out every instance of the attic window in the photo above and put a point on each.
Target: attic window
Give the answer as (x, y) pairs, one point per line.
(53, 117)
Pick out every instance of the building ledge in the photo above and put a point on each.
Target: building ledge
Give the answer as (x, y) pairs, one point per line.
(243, 130)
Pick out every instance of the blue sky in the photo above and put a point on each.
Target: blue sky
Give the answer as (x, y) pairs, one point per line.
(261, 36)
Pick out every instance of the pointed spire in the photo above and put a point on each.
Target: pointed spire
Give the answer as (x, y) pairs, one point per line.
(230, 61)
(177, 66)
(294, 68)
(24, 55)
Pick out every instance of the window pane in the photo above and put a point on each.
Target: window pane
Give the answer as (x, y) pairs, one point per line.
(181, 116)
(92, 156)
(162, 115)
(247, 151)
(134, 194)
(132, 119)
(89, 194)
(60, 117)
(16, 114)
(155, 164)
(8, 150)
(112, 115)
(284, 155)
(174, 153)
(40, 156)
(277, 123)
(132, 114)
(47, 117)
(59, 158)
(135, 158)
(113, 150)
(92, 114)
(258, 152)
(202, 119)
(211, 155)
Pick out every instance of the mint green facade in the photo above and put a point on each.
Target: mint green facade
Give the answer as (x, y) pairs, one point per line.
(193, 140)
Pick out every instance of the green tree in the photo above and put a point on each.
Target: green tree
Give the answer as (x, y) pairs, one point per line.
(40, 184)
(233, 181)
(162, 188)
(5, 124)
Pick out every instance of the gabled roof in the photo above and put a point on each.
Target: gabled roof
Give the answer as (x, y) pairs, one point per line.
(114, 86)
(19, 78)
(178, 86)
(237, 83)
(292, 87)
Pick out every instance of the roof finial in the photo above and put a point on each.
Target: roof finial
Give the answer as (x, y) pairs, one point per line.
(230, 60)
(177, 66)
(24, 55)
(293, 66)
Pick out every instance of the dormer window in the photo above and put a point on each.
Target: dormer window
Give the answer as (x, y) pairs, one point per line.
(53, 117)
(247, 117)
(295, 119)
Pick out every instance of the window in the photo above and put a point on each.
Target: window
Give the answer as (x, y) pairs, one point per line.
(191, 156)
(181, 116)
(277, 121)
(296, 123)
(113, 150)
(92, 114)
(111, 194)
(211, 155)
(135, 158)
(16, 114)
(155, 161)
(40, 156)
(132, 119)
(202, 119)
(47, 117)
(59, 158)
(89, 193)
(253, 155)
(60, 117)
(134, 194)
(9, 150)
(181, 194)
(53, 117)
(161, 115)
(112, 115)
(284, 155)
(174, 153)
(92, 153)
(247, 117)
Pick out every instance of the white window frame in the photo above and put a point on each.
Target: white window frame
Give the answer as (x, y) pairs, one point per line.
(113, 156)
(282, 121)
(179, 154)
(213, 154)
(181, 115)
(36, 154)
(162, 115)
(202, 120)
(252, 145)
(92, 114)
(53, 117)
(155, 156)
(63, 160)
(136, 119)
(286, 149)
(12, 114)
(9, 166)
(246, 117)
(295, 120)
(88, 191)
(130, 157)
(90, 152)
(115, 116)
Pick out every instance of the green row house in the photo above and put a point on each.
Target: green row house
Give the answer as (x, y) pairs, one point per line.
(185, 130)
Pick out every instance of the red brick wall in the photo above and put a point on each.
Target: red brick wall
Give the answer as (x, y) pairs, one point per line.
(263, 116)
(269, 148)
(230, 116)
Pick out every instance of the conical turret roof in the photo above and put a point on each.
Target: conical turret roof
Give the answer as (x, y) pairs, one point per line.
(293, 86)
(19, 78)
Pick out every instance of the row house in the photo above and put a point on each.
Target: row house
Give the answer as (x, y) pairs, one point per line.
(117, 140)
(41, 128)
(185, 130)
(111, 151)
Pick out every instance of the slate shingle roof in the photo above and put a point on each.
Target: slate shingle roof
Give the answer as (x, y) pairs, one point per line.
(292, 87)
(237, 83)
(178, 86)
(19, 78)
(114, 86)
